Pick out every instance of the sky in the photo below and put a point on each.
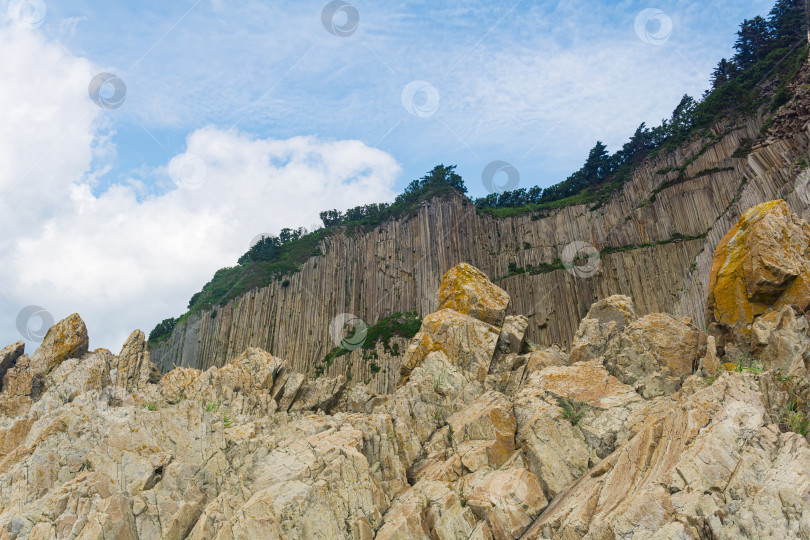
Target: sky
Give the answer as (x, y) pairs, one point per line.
(144, 145)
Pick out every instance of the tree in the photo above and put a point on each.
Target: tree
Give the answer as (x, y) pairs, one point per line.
(724, 72)
(597, 166)
(787, 23)
(753, 41)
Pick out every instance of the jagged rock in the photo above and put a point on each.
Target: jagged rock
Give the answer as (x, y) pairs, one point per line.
(468, 342)
(508, 500)
(561, 444)
(467, 290)
(485, 428)
(679, 472)
(8, 357)
(66, 339)
(606, 319)
(321, 394)
(513, 334)
(134, 369)
(655, 354)
(780, 341)
(761, 264)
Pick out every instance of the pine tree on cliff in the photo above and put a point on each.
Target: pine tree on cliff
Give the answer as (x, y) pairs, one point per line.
(753, 41)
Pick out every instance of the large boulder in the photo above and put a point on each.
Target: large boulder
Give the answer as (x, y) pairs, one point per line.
(468, 342)
(467, 290)
(655, 354)
(66, 339)
(605, 320)
(761, 264)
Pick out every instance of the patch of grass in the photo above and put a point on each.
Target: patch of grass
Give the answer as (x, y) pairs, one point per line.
(211, 406)
(150, 406)
(793, 418)
(226, 420)
(437, 380)
(573, 410)
(404, 325)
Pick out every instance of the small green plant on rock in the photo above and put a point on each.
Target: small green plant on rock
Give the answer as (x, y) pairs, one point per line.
(573, 410)
(211, 406)
(150, 406)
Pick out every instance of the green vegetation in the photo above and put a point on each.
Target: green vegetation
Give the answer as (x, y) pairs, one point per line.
(211, 406)
(557, 264)
(405, 325)
(573, 410)
(163, 330)
(794, 414)
(767, 49)
(150, 406)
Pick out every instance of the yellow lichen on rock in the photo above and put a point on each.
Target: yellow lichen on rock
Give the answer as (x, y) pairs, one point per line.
(467, 290)
(760, 264)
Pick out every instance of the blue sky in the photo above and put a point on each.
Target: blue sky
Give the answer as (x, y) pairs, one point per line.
(531, 83)
(243, 117)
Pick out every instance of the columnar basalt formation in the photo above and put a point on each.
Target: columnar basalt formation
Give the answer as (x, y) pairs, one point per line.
(657, 236)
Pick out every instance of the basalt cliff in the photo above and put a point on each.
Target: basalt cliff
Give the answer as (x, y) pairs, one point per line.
(648, 426)
(655, 239)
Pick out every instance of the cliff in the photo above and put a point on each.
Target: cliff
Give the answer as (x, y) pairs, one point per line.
(656, 237)
(647, 429)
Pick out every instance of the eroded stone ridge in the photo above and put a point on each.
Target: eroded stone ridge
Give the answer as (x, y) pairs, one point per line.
(648, 429)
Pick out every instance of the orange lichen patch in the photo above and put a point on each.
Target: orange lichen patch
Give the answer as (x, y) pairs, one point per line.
(588, 382)
(467, 342)
(66, 339)
(760, 264)
(467, 290)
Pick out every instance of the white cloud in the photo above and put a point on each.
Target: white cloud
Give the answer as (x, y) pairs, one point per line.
(122, 261)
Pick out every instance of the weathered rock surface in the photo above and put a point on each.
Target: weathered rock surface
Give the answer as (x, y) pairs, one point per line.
(480, 440)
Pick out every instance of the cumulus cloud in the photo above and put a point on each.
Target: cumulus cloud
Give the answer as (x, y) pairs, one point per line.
(121, 259)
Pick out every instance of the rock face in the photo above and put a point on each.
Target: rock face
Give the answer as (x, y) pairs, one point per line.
(760, 288)
(656, 238)
(646, 430)
(760, 265)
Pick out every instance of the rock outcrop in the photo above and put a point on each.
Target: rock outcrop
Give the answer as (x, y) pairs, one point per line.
(646, 430)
